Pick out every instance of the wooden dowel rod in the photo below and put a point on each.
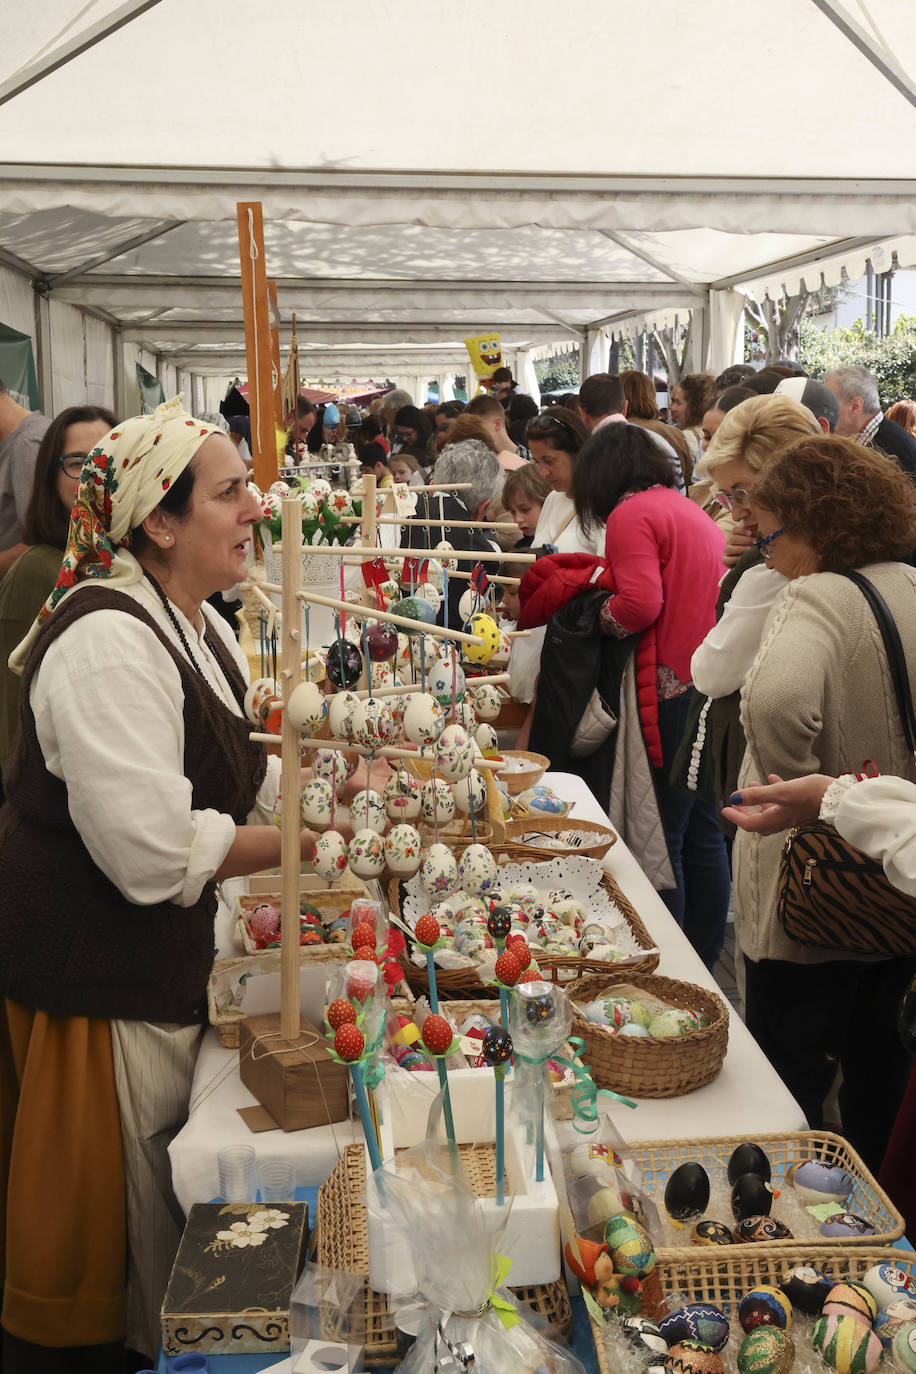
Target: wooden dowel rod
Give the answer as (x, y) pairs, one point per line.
(518, 634)
(290, 775)
(369, 613)
(387, 752)
(265, 600)
(361, 551)
(460, 576)
(437, 486)
(440, 524)
(495, 678)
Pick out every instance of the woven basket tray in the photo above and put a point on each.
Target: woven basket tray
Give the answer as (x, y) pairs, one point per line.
(646, 1067)
(342, 1242)
(465, 982)
(516, 782)
(555, 826)
(330, 903)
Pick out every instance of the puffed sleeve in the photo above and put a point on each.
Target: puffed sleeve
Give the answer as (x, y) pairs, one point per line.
(878, 815)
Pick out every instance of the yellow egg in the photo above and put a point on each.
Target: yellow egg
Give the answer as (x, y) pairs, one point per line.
(486, 628)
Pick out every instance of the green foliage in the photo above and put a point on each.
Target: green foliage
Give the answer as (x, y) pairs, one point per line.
(558, 374)
(891, 360)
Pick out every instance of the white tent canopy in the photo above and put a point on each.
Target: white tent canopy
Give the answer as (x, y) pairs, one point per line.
(430, 173)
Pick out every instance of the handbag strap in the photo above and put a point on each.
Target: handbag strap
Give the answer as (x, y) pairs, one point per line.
(895, 656)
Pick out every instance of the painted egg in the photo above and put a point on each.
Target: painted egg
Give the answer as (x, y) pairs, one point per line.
(631, 1247)
(471, 793)
(264, 919)
(402, 796)
(759, 1228)
(593, 1158)
(851, 1300)
(334, 765)
(373, 725)
(444, 547)
(465, 716)
(886, 1282)
(666, 1025)
(443, 679)
(307, 707)
(486, 739)
(320, 488)
(381, 641)
(425, 650)
(643, 1335)
(751, 1196)
(690, 1357)
(764, 1306)
(603, 1204)
(280, 488)
(898, 1313)
(438, 871)
(424, 719)
(806, 1288)
(904, 1347)
(687, 1191)
(454, 753)
(487, 701)
(711, 1233)
(403, 848)
(748, 1159)
(697, 1321)
(470, 604)
(329, 857)
(487, 630)
(311, 507)
(340, 502)
(367, 811)
(316, 802)
(847, 1224)
(814, 1181)
(477, 870)
(366, 854)
(846, 1344)
(437, 805)
(415, 608)
(766, 1350)
(344, 664)
(340, 714)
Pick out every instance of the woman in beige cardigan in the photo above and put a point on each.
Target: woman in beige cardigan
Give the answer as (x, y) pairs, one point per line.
(819, 699)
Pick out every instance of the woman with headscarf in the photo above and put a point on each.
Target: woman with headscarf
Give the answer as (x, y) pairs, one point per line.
(132, 788)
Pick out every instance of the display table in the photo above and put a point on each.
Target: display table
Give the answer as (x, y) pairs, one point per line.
(745, 1098)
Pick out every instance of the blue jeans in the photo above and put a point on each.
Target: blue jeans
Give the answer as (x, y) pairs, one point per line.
(696, 845)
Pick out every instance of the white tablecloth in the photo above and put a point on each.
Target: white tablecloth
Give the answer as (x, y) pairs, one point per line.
(746, 1098)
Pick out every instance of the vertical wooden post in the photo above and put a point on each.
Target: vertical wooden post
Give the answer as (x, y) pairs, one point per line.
(275, 374)
(290, 779)
(257, 341)
(368, 528)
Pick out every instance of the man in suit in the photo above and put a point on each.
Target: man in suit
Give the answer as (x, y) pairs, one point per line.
(861, 417)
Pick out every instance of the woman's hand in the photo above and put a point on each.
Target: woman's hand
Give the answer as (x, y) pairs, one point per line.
(781, 805)
(737, 544)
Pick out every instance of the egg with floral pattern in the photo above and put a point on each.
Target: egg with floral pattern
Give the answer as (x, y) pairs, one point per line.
(437, 805)
(486, 738)
(311, 507)
(424, 719)
(340, 714)
(320, 488)
(367, 811)
(316, 803)
(403, 849)
(445, 677)
(470, 793)
(329, 857)
(470, 604)
(334, 765)
(366, 854)
(454, 753)
(466, 717)
(307, 707)
(477, 870)
(487, 701)
(340, 503)
(402, 796)
(438, 871)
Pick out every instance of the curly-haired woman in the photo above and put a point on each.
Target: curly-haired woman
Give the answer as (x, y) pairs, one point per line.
(691, 397)
(819, 699)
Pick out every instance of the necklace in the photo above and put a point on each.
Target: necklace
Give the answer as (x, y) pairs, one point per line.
(167, 606)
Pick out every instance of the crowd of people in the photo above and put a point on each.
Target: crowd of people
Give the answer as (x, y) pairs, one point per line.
(698, 654)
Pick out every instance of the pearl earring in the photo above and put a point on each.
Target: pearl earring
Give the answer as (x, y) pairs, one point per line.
(167, 539)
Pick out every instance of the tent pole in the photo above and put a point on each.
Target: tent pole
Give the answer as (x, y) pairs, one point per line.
(257, 341)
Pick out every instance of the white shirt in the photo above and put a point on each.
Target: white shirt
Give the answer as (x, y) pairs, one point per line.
(878, 815)
(109, 714)
(721, 663)
(557, 524)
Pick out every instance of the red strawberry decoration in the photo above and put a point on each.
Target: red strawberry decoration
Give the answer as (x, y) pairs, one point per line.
(349, 1042)
(436, 1034)
(508, 969)
(518, 945)
(427, 930)
(532, 976)
(341, 1012)
(363, 934)
(360, 985)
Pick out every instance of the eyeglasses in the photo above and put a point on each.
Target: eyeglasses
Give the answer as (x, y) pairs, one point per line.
(72, 463)
(540, 422)
(765, 542)
(739, 497)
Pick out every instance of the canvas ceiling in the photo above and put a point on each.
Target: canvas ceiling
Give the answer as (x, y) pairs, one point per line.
(429, 172)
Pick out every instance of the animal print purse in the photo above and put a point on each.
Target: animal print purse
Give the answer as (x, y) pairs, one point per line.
(830, 894)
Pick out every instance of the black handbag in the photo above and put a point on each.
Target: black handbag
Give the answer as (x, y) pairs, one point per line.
(832, 895)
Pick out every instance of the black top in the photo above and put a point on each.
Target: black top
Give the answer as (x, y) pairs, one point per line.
(892, 439)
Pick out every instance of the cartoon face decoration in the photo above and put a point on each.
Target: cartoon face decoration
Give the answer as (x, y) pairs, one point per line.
(485, 353)
(761, 1228)
(711, 1233)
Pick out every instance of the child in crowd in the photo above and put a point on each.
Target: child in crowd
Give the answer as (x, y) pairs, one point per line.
(525, 655)
(406, 468)
(524, 493)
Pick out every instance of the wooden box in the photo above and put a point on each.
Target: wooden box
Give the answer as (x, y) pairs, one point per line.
(296, 1081)
(229, 1292)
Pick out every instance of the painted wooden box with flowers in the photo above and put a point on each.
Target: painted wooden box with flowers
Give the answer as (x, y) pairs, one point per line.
(233, 1278)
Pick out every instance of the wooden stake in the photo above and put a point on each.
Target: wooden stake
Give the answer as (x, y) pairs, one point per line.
(290, 775)
(275, 374)
(257, 341)
(439, 524)
(367, 529)
(387, 751)
(402, 621)
(442, 555)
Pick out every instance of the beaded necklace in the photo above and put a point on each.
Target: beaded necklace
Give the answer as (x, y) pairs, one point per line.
(167, 606)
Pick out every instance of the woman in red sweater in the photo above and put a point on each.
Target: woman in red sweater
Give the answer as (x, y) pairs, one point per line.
(665, 559)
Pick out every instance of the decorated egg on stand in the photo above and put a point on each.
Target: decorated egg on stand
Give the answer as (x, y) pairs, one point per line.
(748, 1159)
(486, 629)
(438, 871)
(766, 1350)
(344, 664)
(311, 507)
(335, 765)
(320, 488)
(340, 714)
(454, 753)
(886, 1282)
(381, 640)
(437, 805)
(307, 707)
(366, 854)
(329, 857)
(761, 1228)
(470, 793)
(403, 849)
(316, 802)
(687, 1193)
(690, 1357)
(487, 701)
(415, 608)
(814, 1181)
(764, 1306)
(477, 870)
(847, 1224)
(424, 719)
(402, 796)
(696, 1321)
(471, 602)
(425, 651)
(849, 1346)
(373, 725)
(428, 591)
(367, 811)
(444, 677)
(486, 739)
(751, 1196)
(711, 1233)
(806, 1288)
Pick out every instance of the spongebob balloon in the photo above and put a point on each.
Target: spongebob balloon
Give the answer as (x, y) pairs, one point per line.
(485, 354)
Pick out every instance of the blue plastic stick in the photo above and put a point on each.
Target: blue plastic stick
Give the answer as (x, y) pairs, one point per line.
(431, 976)
(365, 1116)
(500, 1073)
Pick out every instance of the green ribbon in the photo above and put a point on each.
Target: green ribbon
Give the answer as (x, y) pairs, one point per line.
(585, 1093)
(503, 1308)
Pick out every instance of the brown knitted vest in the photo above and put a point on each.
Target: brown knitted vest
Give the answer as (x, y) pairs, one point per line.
(70, 942)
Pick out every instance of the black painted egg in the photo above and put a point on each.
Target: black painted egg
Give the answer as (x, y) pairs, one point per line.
(499, 922)
(687, 1192)
(806, 1288)
(761, 1228)
(711, 1233)
(644, 1336)
(344, 664)
(751, 1197)
(748, 1159)
(497, 1046)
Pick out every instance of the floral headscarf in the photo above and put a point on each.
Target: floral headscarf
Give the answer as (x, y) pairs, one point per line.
(122, 481)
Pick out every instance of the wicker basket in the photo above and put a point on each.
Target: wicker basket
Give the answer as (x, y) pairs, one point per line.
(645, 1067)
(465, 982)
(516, 782)
(331, 903)
(555, 826)
(341, 1241)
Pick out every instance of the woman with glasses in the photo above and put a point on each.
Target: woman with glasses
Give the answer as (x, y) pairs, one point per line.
(29, 582)
(555, 438)
(819, 698)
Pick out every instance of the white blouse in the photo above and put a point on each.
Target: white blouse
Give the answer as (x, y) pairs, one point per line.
(109, 714)
(723, 660)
